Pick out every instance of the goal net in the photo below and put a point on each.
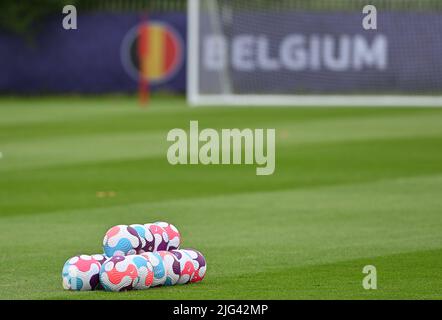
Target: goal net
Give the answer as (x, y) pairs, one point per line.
(315, 52)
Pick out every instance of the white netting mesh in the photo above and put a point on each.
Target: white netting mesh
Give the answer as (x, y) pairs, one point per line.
(296, 47)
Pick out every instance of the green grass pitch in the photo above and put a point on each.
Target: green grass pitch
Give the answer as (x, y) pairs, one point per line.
(352, 187)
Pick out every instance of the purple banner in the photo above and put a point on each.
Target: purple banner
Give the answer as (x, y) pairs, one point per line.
(99, 57)
(300, 52)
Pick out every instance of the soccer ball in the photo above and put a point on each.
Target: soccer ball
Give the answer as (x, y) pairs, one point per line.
(146, 237)
(145, 271)
(187, 266)
(159, 272)
(172, 233)
(81, 273)
(199, 262)
(121, 240)
(101, 258)
(119, 273)
(160, 236)
(172, 267)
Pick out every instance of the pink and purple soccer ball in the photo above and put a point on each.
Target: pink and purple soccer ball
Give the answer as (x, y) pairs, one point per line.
(82, 272)
(123, 273)
(145, 271)
(187, 266)
(173, 235)
(171, 266)
(118, 274)
(199, 262)
(146, 237)
(159, 271)
(101, 258)
(121, 240)
(160, 236)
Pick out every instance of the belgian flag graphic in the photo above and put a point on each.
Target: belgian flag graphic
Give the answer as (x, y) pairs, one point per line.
(157, 52)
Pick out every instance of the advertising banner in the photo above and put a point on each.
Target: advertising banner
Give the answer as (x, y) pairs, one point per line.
(99, 57)
(301, 52)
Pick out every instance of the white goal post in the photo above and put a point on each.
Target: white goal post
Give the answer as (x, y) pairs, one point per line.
(242, 55)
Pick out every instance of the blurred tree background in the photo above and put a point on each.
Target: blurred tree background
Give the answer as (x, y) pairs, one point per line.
(21, 17)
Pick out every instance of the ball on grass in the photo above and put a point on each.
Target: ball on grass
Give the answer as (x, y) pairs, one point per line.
(187, 266)
(172, 267)
(146, 237)
(144, 270)
(81, 272)
(119, 273)
(172, 233)
(121, 240)
(160, 236)
(159, 272)
(199, 263)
